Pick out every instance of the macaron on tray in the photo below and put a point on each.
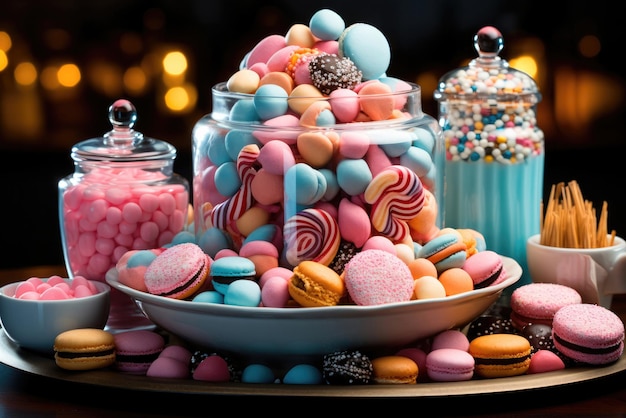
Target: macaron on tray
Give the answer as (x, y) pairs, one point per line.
(357, 284)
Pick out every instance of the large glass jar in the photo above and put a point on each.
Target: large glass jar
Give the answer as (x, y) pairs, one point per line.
(494, 150)
(313, 189)
(122, 196)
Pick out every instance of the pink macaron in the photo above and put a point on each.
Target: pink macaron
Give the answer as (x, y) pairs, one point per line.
(178, 272)
(449, 365)
(536, 303)
(135, 350)
(588, 333)
(374, 277)
(485, 268)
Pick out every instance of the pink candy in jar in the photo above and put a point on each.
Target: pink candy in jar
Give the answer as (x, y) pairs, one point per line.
(122, 196)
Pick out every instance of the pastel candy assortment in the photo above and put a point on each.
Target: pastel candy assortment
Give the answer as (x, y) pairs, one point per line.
(54, 288)
(317, 140)
(112, 211)
(496, 130)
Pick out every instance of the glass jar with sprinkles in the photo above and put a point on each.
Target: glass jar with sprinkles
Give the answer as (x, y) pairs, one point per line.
(494, 150)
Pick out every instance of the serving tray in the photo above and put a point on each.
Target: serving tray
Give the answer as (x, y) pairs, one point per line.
(34, 363)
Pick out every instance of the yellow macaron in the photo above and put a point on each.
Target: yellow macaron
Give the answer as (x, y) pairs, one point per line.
(84, 349)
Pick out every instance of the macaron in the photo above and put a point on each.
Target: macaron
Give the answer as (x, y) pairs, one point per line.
(315, 284)
(84, 349)
(449, 365)
(446, 250)
(178, 272)
(536, 303)
(375, 277)
(394, 369)
(136, 350)
(226, 270)
(486, 268)
(588, 333)
(500, 355)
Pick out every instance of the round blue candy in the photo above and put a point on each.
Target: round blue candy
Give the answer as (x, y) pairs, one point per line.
(227, 181)
(303, 374)
(417, 160)
(424, 139)
(368, 49)
(270, 101)
(216, 149)
(182, 237)
(304, 184)
(213, 240)
(393, 142)
(332, 187)
(257, 373)
(243, 292)
(244, 111)
(236, 139)
(140, 258)
(209, 296)
(326, 25)
(353, 176)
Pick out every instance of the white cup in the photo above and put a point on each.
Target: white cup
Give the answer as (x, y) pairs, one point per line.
(596, 273)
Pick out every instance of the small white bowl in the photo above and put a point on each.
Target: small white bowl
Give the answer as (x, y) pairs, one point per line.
(34, 324)
(286, 336)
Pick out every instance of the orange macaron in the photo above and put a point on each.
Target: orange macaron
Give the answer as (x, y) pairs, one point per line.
(315, 284)
(500, 355)
(394, 369)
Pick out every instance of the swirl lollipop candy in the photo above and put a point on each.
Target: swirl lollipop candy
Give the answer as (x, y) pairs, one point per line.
(312, 234)
(397, 196)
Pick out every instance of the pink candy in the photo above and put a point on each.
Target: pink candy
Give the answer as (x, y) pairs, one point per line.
(55, 288)
(113, 211)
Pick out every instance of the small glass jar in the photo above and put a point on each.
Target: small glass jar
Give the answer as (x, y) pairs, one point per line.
(303, 186)
(122, 196)
(494, 150)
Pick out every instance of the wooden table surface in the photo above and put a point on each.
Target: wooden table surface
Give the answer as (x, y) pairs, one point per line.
(24, 394)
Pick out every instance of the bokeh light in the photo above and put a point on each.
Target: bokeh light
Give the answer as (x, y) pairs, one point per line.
(25, 73)
(175, 63)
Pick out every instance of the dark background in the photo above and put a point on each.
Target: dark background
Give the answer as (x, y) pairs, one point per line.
(582, 110)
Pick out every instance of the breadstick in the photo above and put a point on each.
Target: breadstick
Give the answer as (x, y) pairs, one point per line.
(569, 221)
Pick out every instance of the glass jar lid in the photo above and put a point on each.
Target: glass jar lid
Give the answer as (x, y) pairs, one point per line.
(487, 76)
(122, 143)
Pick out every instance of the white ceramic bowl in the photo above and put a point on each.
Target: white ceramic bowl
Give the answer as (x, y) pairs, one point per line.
(34, 324)
(290, 335)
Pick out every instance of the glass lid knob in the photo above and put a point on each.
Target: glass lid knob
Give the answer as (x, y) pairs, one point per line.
(122, 113)
(488, 42)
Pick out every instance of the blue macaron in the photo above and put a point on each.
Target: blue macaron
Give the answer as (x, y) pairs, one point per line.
(445, 251)
(226, 270)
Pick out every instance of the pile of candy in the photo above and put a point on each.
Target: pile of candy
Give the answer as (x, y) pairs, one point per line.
(312, 147)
